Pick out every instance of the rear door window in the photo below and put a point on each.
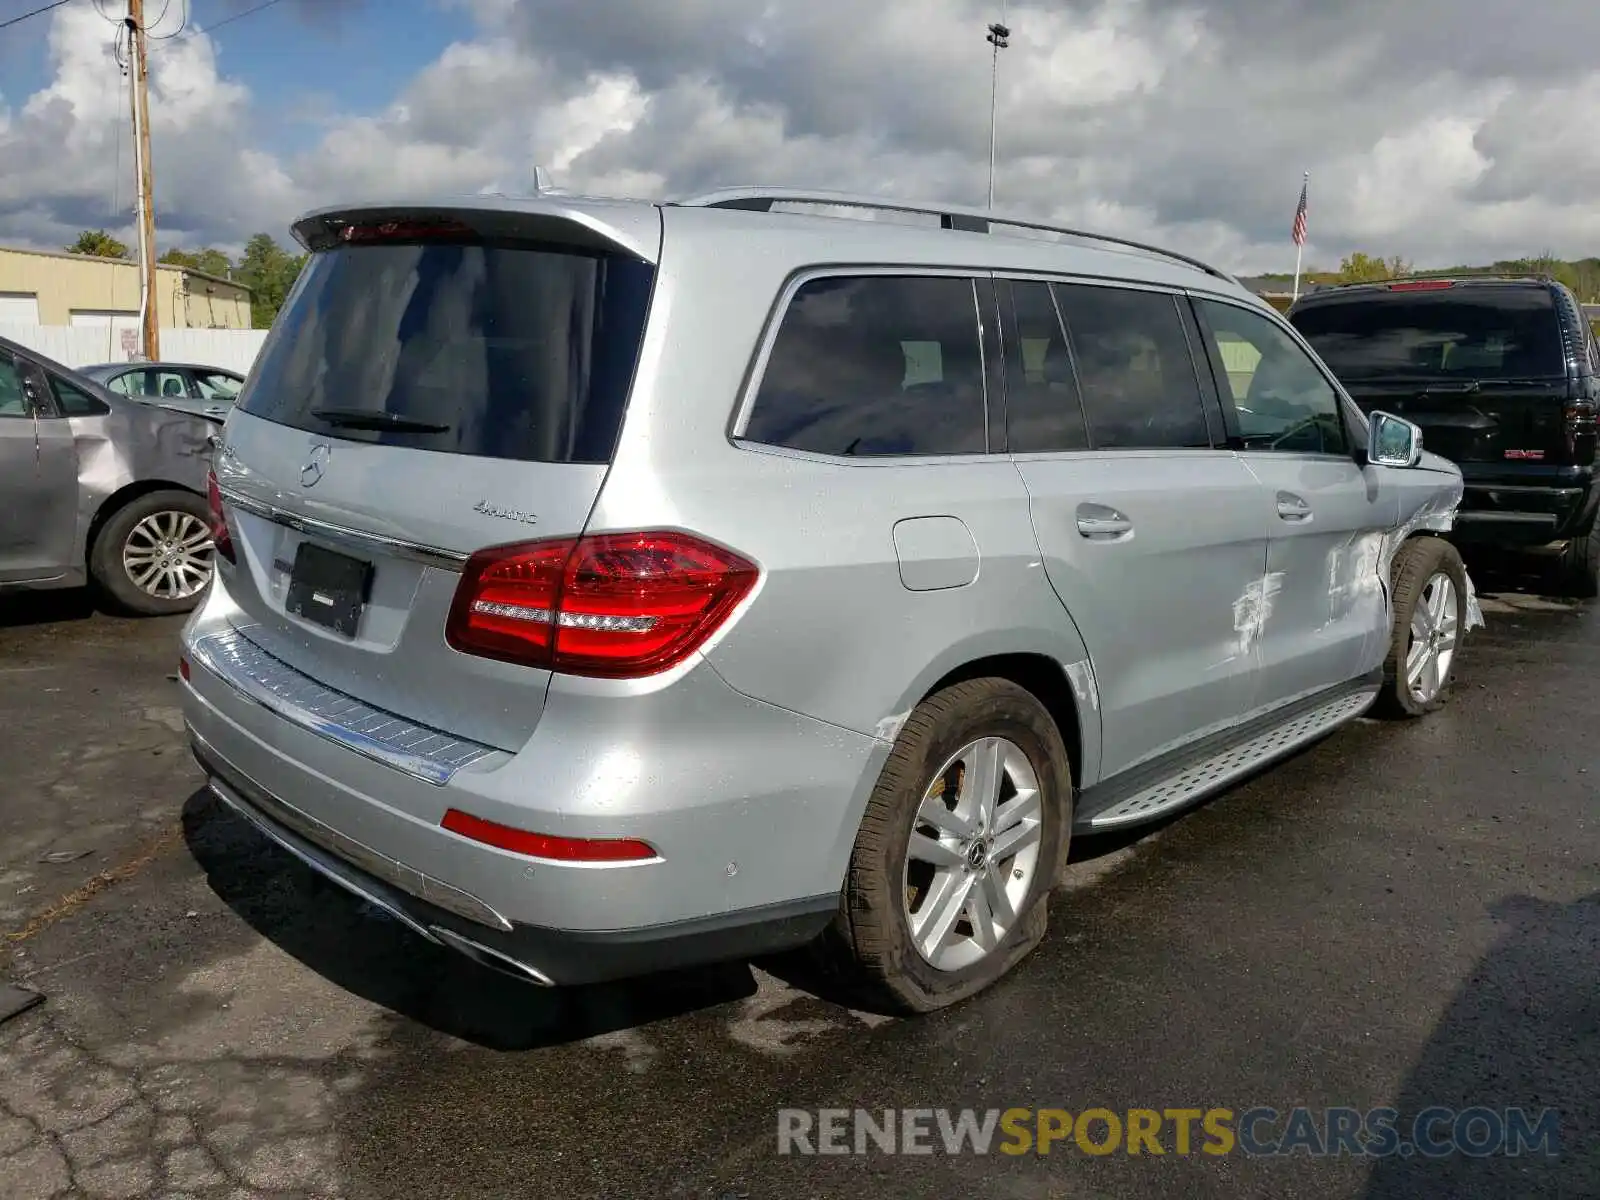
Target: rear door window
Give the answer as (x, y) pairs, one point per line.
(875, 365)
(13, 400)
(1043, 409)
(1484, 333)
(490, 349)
(1134, 368)
(73, 401)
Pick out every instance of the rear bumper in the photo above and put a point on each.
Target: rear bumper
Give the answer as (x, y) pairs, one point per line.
(1525, 511)
(752, 811)
(533, 954)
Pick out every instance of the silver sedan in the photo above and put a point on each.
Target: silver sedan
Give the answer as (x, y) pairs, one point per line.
(100, 487)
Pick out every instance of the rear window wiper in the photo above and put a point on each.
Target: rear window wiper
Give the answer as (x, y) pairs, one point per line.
(367, 418)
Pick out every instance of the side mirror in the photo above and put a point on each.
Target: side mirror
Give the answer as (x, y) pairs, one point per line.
(1393, 441)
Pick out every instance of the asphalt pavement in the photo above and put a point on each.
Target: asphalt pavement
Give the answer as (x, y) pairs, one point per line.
(1404, 916)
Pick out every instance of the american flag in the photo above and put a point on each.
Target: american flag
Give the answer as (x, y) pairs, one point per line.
(1300, 216)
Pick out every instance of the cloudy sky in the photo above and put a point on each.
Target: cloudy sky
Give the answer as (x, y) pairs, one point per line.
(1441, 130)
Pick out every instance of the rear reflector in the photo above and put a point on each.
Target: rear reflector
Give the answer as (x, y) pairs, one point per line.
(541, 845)
(221, 539)
(615, 605)
(1423, 285)
(183, 669)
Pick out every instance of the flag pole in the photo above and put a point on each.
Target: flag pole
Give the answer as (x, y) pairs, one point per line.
(1299, 243)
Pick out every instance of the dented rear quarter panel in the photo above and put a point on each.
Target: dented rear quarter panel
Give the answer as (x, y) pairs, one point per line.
(134, 445)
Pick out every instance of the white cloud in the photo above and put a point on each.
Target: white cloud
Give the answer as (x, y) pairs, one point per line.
(1183, 121)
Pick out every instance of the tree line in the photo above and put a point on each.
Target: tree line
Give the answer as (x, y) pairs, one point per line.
(265, 267)
(1581, 275)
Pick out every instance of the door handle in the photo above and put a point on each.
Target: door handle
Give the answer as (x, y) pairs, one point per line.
(1292, 507)
(1098, 521)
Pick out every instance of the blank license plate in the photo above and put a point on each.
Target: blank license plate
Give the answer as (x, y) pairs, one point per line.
(328, 588)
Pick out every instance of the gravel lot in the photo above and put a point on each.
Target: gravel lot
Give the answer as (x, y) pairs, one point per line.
(1404, 915)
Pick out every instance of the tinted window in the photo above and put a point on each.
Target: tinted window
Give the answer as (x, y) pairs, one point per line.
(1284, 402)
(1471, 333)
(489, 349)
(73, 401)
(131, 384)
(1134, 368)
(13, 400)
(1042, 407)
(874, 365)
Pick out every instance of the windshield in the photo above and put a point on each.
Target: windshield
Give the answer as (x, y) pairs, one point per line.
(1482, 333)
(494, 350)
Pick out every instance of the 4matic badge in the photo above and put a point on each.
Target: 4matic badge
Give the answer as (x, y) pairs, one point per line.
(505, 514)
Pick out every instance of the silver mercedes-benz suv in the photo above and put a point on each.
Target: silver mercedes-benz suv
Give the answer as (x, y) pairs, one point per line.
(605, 586)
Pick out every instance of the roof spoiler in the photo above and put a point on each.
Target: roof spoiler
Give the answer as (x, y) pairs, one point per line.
(631, 230)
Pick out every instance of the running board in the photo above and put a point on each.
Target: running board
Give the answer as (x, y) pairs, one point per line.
(1192, 773)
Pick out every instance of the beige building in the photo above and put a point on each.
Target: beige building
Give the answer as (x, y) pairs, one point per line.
(44, 287)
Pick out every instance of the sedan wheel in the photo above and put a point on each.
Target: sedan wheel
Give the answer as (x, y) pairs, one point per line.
(168, 555)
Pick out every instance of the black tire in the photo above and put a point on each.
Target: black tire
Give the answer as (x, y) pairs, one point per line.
(106, 555)
(1418, 561)
(1580, 564)
(869, 942)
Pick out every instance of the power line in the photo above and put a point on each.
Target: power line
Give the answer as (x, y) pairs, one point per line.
(34, 13)
(212, 28)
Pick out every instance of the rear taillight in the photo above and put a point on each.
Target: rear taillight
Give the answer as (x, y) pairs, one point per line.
(1578, 424)
(221, 539)
(617, 605)
(1422, 285)
(544, 845)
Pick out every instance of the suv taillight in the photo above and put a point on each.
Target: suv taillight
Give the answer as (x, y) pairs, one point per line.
(1578, 424)
(220, 537)
(617, 605)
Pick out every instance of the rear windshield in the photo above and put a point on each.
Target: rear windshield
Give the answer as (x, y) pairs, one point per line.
(1488, 333)
(494, 350)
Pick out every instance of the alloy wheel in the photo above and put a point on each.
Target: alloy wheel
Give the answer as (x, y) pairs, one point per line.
(973, 853)
(168, 555)
(1435, 629)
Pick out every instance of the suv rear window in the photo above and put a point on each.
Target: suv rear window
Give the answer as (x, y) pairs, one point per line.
(507, 350)
(1470, 333)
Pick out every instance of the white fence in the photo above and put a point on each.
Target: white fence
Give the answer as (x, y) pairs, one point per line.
(80, 346)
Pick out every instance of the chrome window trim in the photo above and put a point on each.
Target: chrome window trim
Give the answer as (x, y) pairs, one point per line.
(355, 539)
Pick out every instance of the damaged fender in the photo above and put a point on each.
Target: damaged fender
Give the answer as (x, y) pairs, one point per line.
(1435, 514)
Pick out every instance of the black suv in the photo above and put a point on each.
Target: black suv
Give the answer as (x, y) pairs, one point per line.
(1503, 376)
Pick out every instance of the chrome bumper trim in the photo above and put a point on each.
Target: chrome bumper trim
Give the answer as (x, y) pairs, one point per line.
(424, 753)
(275, 819)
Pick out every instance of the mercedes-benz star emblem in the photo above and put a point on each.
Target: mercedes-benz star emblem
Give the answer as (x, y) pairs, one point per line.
(311, 473)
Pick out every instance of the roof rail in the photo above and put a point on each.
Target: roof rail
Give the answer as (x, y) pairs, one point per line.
(971, 220)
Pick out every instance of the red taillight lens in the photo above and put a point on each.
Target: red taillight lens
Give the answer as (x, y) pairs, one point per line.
(618, 605)
(1578, 421)
(220, 537)
(543, 845)
(1423, 285)
(183, 668)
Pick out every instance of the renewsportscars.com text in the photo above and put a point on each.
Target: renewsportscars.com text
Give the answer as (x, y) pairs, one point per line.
(1478, 1132)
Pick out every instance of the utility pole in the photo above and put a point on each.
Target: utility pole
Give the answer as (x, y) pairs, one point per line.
(1000, 38)
(149, 309)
